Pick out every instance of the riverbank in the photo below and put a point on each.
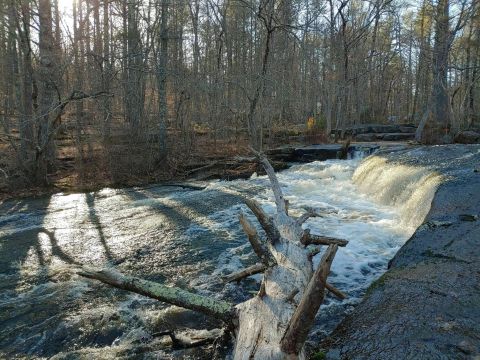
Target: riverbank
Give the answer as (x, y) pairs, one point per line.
(427, 305)
(231, 164)
(176, 236)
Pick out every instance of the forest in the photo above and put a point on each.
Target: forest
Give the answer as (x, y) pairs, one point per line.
(132, 91)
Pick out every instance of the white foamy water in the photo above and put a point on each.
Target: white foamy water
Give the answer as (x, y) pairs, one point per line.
(183, 238)
(374, 205)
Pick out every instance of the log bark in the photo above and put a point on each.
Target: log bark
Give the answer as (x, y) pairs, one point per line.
(274, 324)
(310, 239)
(171, 295)
(304, 315)
(251, 270)
(259, 246)
(265, 221)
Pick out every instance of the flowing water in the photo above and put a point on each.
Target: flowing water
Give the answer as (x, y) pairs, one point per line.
(187, 238)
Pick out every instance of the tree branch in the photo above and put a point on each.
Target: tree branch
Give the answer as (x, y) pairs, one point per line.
(171, 295)
(302, 320)
(310, 239)
(265, 221)
(251, 270)
(258, 245)
(306, 216)
(341, 295)
(277, 191)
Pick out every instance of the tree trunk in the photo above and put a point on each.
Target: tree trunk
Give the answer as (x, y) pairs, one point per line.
(47, 90)
(107, 71)
(26, 126)
(436, 130)
(275, 323)
(162, 75)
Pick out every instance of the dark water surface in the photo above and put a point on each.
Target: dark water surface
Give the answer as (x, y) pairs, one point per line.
(187, 238)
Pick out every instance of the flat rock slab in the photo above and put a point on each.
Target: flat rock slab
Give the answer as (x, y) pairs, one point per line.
(320, 152)
(378, 129)
(427, 305)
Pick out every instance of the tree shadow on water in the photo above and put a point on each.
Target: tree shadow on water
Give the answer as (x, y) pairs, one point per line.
(36, 299)
(95, 220)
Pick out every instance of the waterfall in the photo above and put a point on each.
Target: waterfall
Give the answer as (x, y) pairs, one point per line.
(409, 188)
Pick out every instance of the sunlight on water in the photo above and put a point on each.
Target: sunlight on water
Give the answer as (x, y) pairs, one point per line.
(407, 188)
(190, 239)
(374, 205)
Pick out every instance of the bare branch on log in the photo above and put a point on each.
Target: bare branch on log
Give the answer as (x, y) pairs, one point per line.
(277, 191)
(264, 220)
(171, 295)
(303, 317)
(258, 245)
(262, 292)
(314, 251)
(292, 295)
(335, 291)
(310, 239)
(185, 341)
(251, 270)
(307, 216)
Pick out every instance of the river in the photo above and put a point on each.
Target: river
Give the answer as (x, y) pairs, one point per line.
(191, 239)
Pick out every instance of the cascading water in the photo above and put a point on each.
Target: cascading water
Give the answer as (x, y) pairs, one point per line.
(190, 239)
(410, 189)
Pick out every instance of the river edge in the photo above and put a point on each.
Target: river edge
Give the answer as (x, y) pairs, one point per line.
(427, 305)
(422, 156)
(230, 167)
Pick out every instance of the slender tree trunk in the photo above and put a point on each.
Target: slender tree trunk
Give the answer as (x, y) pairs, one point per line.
(441, 119)
(107, 71)
(162, 75)
(47, 91)
(26, 126)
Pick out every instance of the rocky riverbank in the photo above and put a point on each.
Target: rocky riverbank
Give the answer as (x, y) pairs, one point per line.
(427, 305)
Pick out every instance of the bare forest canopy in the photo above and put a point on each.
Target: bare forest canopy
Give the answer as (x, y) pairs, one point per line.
(138, 86)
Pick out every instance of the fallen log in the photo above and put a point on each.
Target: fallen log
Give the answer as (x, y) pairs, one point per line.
(259, 268)
(185, 340)
(310, 239)
(171, 295)
(251, 270)
(274, 324)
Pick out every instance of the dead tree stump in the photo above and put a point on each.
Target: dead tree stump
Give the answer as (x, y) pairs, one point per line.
(275, 323)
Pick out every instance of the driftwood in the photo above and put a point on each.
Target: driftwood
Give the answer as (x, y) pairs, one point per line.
(274, 324)
(185, 340)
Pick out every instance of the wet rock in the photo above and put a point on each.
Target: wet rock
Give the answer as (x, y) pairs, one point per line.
(366, 137)
(317, 152)
(426, 305)
(398, 136)
(320, 152)
(466, 347)
(467, 137)
(357, 130)
(468, 217)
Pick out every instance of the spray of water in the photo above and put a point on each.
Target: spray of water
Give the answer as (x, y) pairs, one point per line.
(409, 189)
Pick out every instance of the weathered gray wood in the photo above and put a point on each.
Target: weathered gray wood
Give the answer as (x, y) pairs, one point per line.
(335, 291)
(265, 221)
(310, 239)
(304, 217)
(259, 246)
(277, 191)
(251, 270)
(270, 325)
(301, 321)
